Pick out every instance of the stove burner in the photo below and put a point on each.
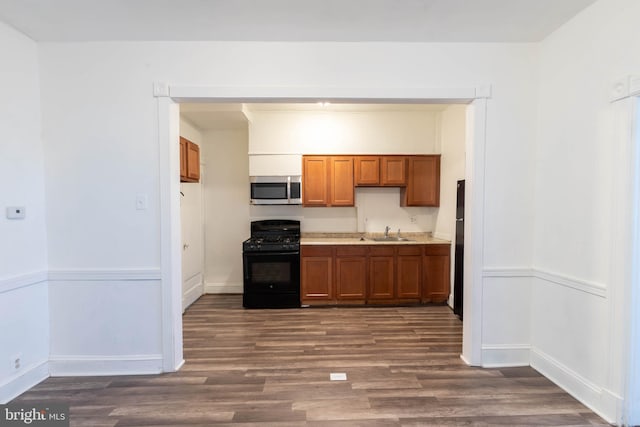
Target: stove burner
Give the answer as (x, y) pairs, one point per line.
(273, 236)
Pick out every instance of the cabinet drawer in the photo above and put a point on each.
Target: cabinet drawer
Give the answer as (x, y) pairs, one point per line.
(351, 250)
(316, 251)
(381, 250)
(437, 249)
(410, 250)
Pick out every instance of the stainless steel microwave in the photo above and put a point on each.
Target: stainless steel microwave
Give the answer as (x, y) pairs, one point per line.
(276, 190)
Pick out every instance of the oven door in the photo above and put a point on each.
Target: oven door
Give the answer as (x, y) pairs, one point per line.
(271, 279)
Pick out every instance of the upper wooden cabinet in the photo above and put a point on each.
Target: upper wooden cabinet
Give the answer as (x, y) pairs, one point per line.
(423, 181)
(327, 181)
(331, 180)
(341, 181)
(315, 177)
(379, 171)
(183, 158)
(189, 161)
(393, 171)
(367, 170)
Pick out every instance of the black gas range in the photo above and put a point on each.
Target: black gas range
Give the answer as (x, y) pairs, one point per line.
(271, 263)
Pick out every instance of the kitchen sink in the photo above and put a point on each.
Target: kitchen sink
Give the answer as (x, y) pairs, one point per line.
(392, 239)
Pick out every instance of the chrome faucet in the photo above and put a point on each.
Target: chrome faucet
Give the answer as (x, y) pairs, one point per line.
(386, 231)
(398, 233)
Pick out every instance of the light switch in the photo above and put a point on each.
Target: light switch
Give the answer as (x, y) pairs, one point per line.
(142, 201)
(16, 212)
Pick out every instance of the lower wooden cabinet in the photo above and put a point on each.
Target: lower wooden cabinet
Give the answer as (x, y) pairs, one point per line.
(316, 275)
(351, 274)
(409, 272)
(437, 273)
(374, 274)
(381, 273)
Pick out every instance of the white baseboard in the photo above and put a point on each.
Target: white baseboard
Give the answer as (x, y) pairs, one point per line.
(588, 393)
(17, 384)
(223, 288)
(146, 364)
(195, 289)
(464, 359)
(613, 404)
(505, 355)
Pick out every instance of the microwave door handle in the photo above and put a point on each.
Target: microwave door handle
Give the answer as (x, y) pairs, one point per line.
(289, 190)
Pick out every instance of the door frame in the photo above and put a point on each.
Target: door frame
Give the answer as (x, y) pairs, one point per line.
(623, 296)
(168, 99)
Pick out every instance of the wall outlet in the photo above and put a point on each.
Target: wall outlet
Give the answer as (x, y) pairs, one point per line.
(17, 361)
(142, 201)
(413, 219)
(16, 212)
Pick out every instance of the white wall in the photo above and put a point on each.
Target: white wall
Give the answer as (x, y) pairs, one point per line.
(576, 338)
(99, 155)
(452, 167)
(101, 148)
(336, 131)
(24, 319)
(226, 198)
(343, 132)
(453, 130)
(100, 124)
(192, 226)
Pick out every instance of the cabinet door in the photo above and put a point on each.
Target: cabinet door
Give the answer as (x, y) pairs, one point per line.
(351, 277)
(367, 170)
(342, 189)
(315, 172)
(193, 162)
(423, 181)
(394, 171)
(316, 275)
(437, 275)
(381, 273)
(409, 272)
(183, 158)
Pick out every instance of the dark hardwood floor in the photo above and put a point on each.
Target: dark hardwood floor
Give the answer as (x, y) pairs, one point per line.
(272, 368)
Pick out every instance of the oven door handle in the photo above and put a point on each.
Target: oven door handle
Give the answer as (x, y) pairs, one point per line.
(265, 254)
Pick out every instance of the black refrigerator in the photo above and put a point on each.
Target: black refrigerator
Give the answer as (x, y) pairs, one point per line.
(458, 266)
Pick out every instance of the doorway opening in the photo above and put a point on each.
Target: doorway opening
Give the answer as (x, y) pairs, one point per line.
(474, 110)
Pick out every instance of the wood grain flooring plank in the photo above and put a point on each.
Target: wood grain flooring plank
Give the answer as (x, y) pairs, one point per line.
(262, 368)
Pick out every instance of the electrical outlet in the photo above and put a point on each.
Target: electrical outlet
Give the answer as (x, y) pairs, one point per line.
(16, 212)
(142, 201)
(413, 219)
(17, 361)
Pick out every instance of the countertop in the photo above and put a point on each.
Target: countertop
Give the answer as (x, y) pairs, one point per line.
(367, 239)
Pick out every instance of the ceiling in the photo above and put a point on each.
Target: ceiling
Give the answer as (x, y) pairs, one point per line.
(289, 20)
